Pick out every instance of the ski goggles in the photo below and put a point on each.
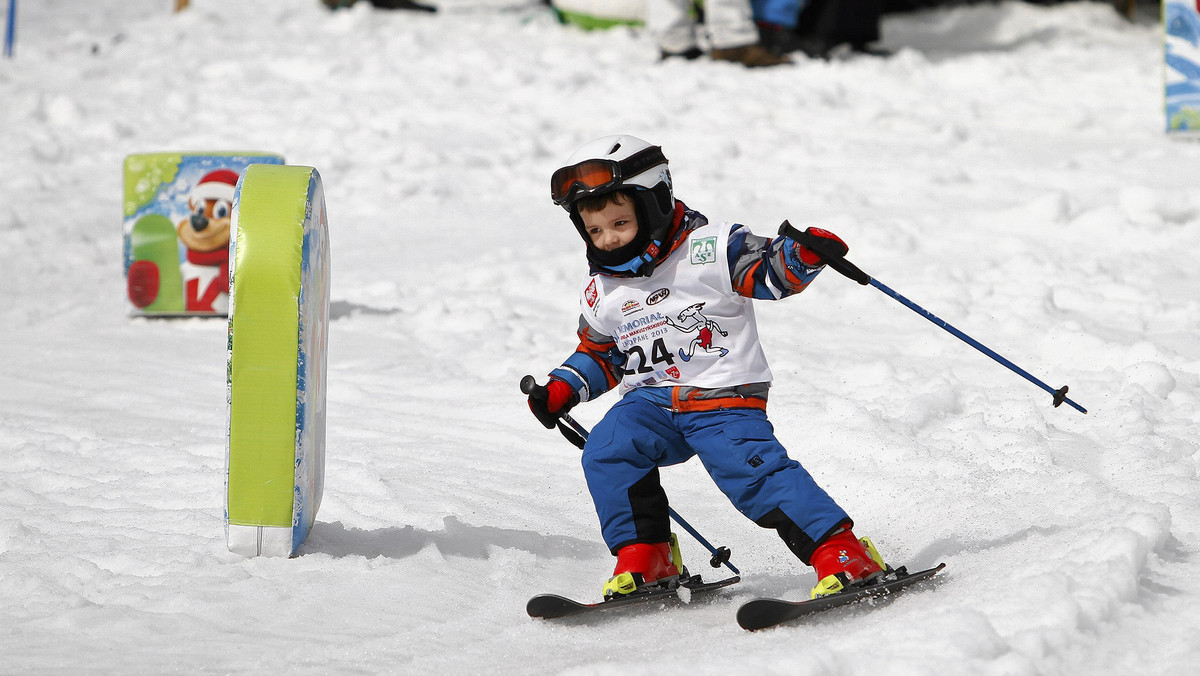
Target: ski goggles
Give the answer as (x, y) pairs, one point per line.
(591, 176)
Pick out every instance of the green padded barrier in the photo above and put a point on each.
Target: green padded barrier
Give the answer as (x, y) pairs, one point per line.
(278, 316)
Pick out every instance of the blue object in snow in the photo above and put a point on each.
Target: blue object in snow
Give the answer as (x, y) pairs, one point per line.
(10, 31)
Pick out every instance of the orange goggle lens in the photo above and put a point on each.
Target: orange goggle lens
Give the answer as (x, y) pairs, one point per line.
(593, 175)
(589, 175)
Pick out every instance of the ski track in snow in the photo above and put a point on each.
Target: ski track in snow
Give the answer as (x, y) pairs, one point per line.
(1006, 169)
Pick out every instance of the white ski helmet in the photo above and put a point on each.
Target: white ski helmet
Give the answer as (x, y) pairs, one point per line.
(625, 163)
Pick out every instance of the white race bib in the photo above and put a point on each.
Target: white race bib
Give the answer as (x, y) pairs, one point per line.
(684, 324)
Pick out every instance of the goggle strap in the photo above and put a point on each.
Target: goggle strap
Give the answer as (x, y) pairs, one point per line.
(641, 161)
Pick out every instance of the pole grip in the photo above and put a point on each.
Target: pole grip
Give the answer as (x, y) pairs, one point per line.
(528, 383)
(571, 430)
(840, 264)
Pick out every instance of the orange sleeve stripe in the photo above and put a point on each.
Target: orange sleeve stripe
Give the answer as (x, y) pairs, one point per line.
(746, 283)
(794, 282)
(609, 376)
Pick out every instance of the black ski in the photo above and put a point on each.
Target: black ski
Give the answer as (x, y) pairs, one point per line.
(763, 613)
(553, 606)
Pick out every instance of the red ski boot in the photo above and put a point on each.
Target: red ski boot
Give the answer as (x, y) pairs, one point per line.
(843, 561)
(642, 565)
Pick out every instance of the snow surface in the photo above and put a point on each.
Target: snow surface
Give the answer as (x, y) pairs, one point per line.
(1006, 168)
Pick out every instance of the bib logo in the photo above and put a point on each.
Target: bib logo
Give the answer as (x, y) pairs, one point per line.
(590, 294)
(658, 296)
(703, 250)
(694, 320)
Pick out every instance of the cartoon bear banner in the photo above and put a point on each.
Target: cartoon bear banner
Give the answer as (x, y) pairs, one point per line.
(178, 208)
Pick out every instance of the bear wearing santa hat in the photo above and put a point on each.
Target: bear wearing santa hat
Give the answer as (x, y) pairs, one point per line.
(205, 233)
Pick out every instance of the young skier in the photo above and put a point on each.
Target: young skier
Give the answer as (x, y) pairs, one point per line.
(667, 316)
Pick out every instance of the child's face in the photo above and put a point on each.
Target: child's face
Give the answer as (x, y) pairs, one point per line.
(612, 227)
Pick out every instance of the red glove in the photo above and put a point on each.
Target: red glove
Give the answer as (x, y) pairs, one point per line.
(817, 246)
(550, 401)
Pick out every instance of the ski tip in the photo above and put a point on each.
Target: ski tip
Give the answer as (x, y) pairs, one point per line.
(549, 606)
(764, 613)
(927, 572)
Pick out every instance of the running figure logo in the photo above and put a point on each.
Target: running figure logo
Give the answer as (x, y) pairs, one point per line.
(696, 321)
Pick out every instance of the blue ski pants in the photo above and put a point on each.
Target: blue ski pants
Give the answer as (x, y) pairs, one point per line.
(737, 447)
(780, 12)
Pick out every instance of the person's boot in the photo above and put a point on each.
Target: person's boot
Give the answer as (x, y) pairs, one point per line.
(777, 39)
(843, 561)
(750, 56)
(644, 565)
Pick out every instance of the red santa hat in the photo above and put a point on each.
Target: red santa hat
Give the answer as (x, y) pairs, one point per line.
(215, 185)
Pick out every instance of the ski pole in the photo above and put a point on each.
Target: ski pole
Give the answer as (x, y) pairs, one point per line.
(577, 434)
(574, 432)
(852, 271)
(720, 555)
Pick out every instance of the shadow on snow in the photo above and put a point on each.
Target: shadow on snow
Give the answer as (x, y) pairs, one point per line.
(456, 539)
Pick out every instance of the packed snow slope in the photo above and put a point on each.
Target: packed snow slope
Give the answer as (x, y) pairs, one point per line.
(1006, 168)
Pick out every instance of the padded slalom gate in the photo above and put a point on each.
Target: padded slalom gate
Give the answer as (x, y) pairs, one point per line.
(1181, 21)
(601, 14)
(278, 318)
